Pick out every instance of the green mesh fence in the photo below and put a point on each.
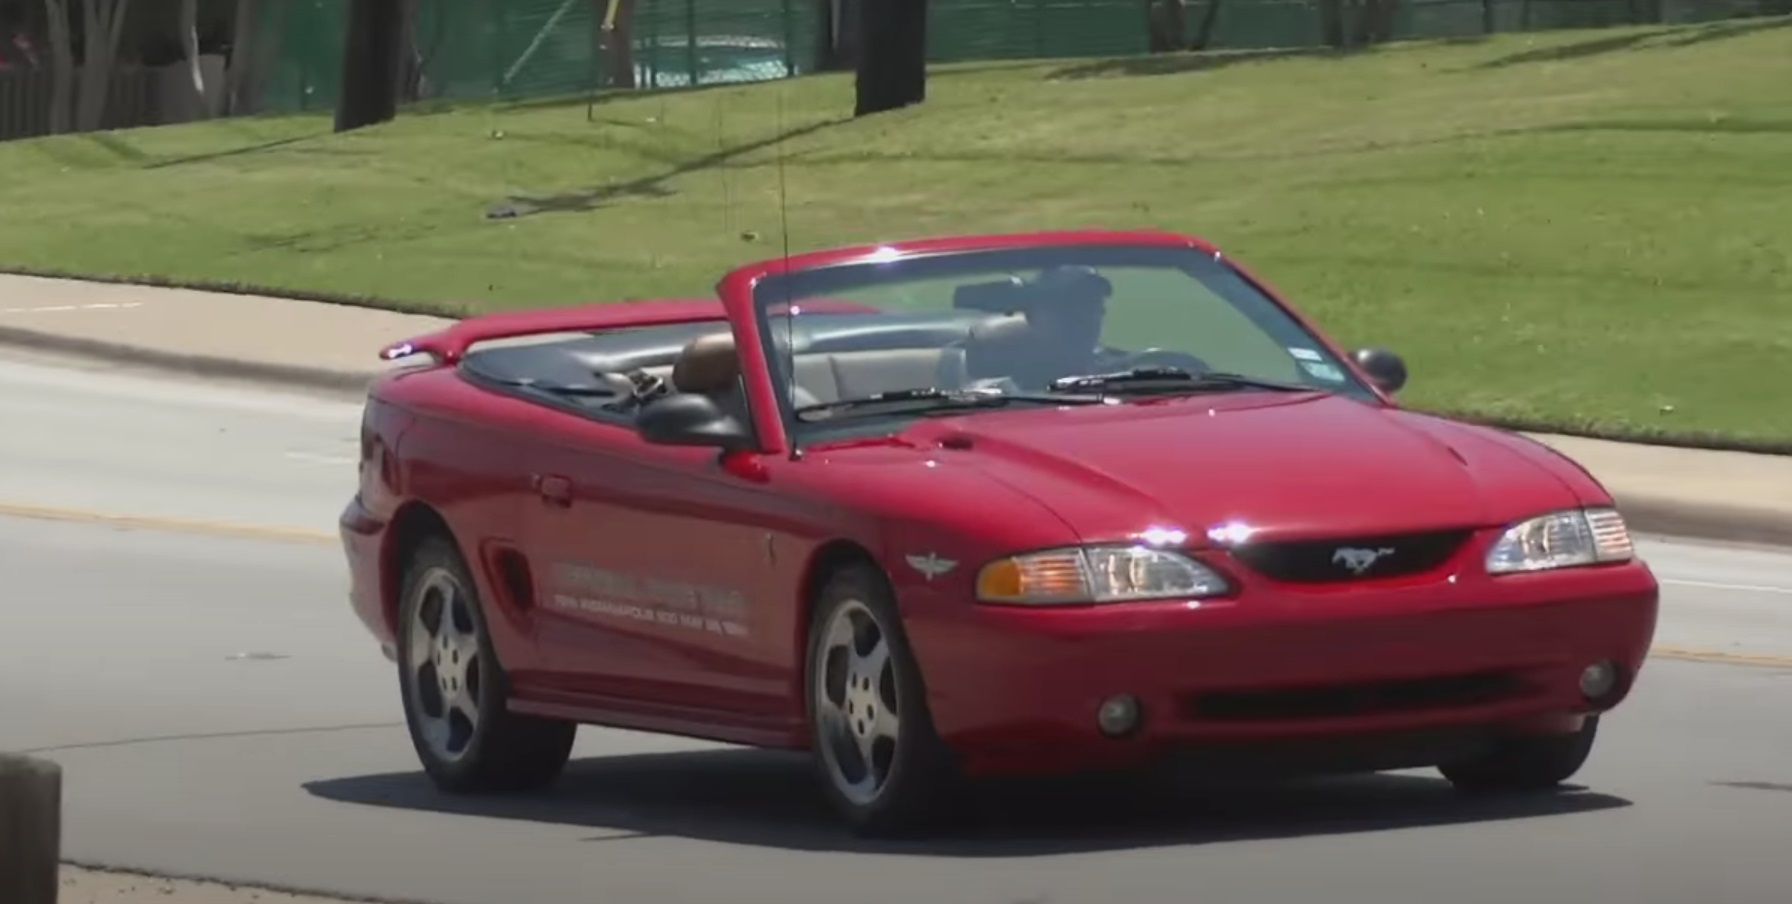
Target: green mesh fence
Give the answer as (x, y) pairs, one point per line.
(527, 48)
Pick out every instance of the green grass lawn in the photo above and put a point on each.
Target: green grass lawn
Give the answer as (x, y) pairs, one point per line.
(1587, 230)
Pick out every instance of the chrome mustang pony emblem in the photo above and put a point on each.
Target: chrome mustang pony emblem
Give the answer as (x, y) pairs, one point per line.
(1359, 560)
(931, 565)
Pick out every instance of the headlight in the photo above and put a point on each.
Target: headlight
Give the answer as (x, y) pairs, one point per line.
(1101, 574)
(1562, 540)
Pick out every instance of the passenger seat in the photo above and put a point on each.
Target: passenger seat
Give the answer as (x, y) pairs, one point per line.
(710, 365)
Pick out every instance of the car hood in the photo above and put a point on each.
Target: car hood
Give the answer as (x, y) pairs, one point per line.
(1282, 465)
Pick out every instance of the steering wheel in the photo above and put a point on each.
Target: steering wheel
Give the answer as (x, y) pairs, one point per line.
(1164, 357)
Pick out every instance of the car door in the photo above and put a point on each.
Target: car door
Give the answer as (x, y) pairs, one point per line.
(651, 563)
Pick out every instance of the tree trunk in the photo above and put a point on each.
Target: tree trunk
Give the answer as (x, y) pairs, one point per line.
(189, 39)
(913, 35)
(1380, 16)
(239, 77)
(409, 70)
(892, 70)
(847, 16)
(617, 40)
(1209, 21)
(1373, 22)
(424, 52)
(832, 51)
(102, 24)
(1331, 23)
(1166, 24)
(370, 48)
(62, 68)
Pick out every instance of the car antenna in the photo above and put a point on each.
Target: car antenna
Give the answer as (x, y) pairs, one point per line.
(784, 233)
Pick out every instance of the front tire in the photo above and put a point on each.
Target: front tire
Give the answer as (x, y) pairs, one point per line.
(1532, 763)
(455, 691)
(881, 765)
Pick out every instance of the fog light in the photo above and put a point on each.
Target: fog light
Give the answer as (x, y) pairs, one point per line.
(1118, 716)
(1599, 679)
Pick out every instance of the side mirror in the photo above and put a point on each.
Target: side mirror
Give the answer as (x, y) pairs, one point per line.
(1385, 369)
(689, 419)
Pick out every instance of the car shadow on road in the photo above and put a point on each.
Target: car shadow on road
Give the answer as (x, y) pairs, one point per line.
(770, 799)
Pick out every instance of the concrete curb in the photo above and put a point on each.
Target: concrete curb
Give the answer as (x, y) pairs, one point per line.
(1704, 521)
(1645, 514)
(314, 378)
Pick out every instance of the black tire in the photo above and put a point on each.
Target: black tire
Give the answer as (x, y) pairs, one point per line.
(1525, 764)
(917, 791)
(504, 751)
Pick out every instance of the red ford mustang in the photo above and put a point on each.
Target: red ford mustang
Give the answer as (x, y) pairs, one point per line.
(989, 505)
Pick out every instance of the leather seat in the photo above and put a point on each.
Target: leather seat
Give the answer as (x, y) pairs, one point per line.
(707, 365)
(1000, 347)
(858, 374)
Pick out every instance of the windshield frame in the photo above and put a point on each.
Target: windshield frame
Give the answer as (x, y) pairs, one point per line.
(777, 287)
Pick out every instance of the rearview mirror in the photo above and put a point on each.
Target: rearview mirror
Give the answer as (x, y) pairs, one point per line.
(689, 419)
(1385, 369)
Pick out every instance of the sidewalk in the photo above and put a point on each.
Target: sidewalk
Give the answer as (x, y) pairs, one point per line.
(1729, 496)
(318, 345)
(86, 886)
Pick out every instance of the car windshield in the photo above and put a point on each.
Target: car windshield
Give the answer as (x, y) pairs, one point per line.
(958, 332)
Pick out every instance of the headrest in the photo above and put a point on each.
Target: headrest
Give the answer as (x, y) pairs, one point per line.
(1078, 282)
(708, 364)
(997, 336)
(998, 297)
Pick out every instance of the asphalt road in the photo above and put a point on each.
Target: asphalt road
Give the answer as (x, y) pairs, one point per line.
(219, 713)
(108, 439)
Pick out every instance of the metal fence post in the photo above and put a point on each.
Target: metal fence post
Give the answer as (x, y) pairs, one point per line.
(30, 829)
(304, 86)
(495, 11)
(1039, 28)
(690, 45)
(789, 15)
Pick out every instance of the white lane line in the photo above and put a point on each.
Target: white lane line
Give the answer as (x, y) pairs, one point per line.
(1718, 585)
(58, 308)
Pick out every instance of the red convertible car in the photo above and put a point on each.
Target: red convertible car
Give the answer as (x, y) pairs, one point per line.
(988, 505)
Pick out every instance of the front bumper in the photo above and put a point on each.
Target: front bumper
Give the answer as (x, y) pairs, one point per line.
(363, 539)
(1017, 689)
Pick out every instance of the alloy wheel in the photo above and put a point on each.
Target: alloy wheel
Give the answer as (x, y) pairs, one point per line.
(857, 703)
(444, 667)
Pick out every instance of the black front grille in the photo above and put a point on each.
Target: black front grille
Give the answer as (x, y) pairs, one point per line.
(1351, 558)
(1355, 700)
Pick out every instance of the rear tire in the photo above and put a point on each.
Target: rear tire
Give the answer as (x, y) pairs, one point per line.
(1533, 763)
(455, 692)
(881, 765)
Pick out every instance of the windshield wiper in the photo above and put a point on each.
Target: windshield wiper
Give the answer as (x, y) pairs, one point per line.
(931, 399)
(1170, 379)
(1227, 379)
(577, 390)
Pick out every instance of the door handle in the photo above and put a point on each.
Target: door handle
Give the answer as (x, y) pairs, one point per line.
(553, 489)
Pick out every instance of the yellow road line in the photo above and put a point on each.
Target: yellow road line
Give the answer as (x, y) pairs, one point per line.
(177, 525)
(1767, 660)
(289, 535)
